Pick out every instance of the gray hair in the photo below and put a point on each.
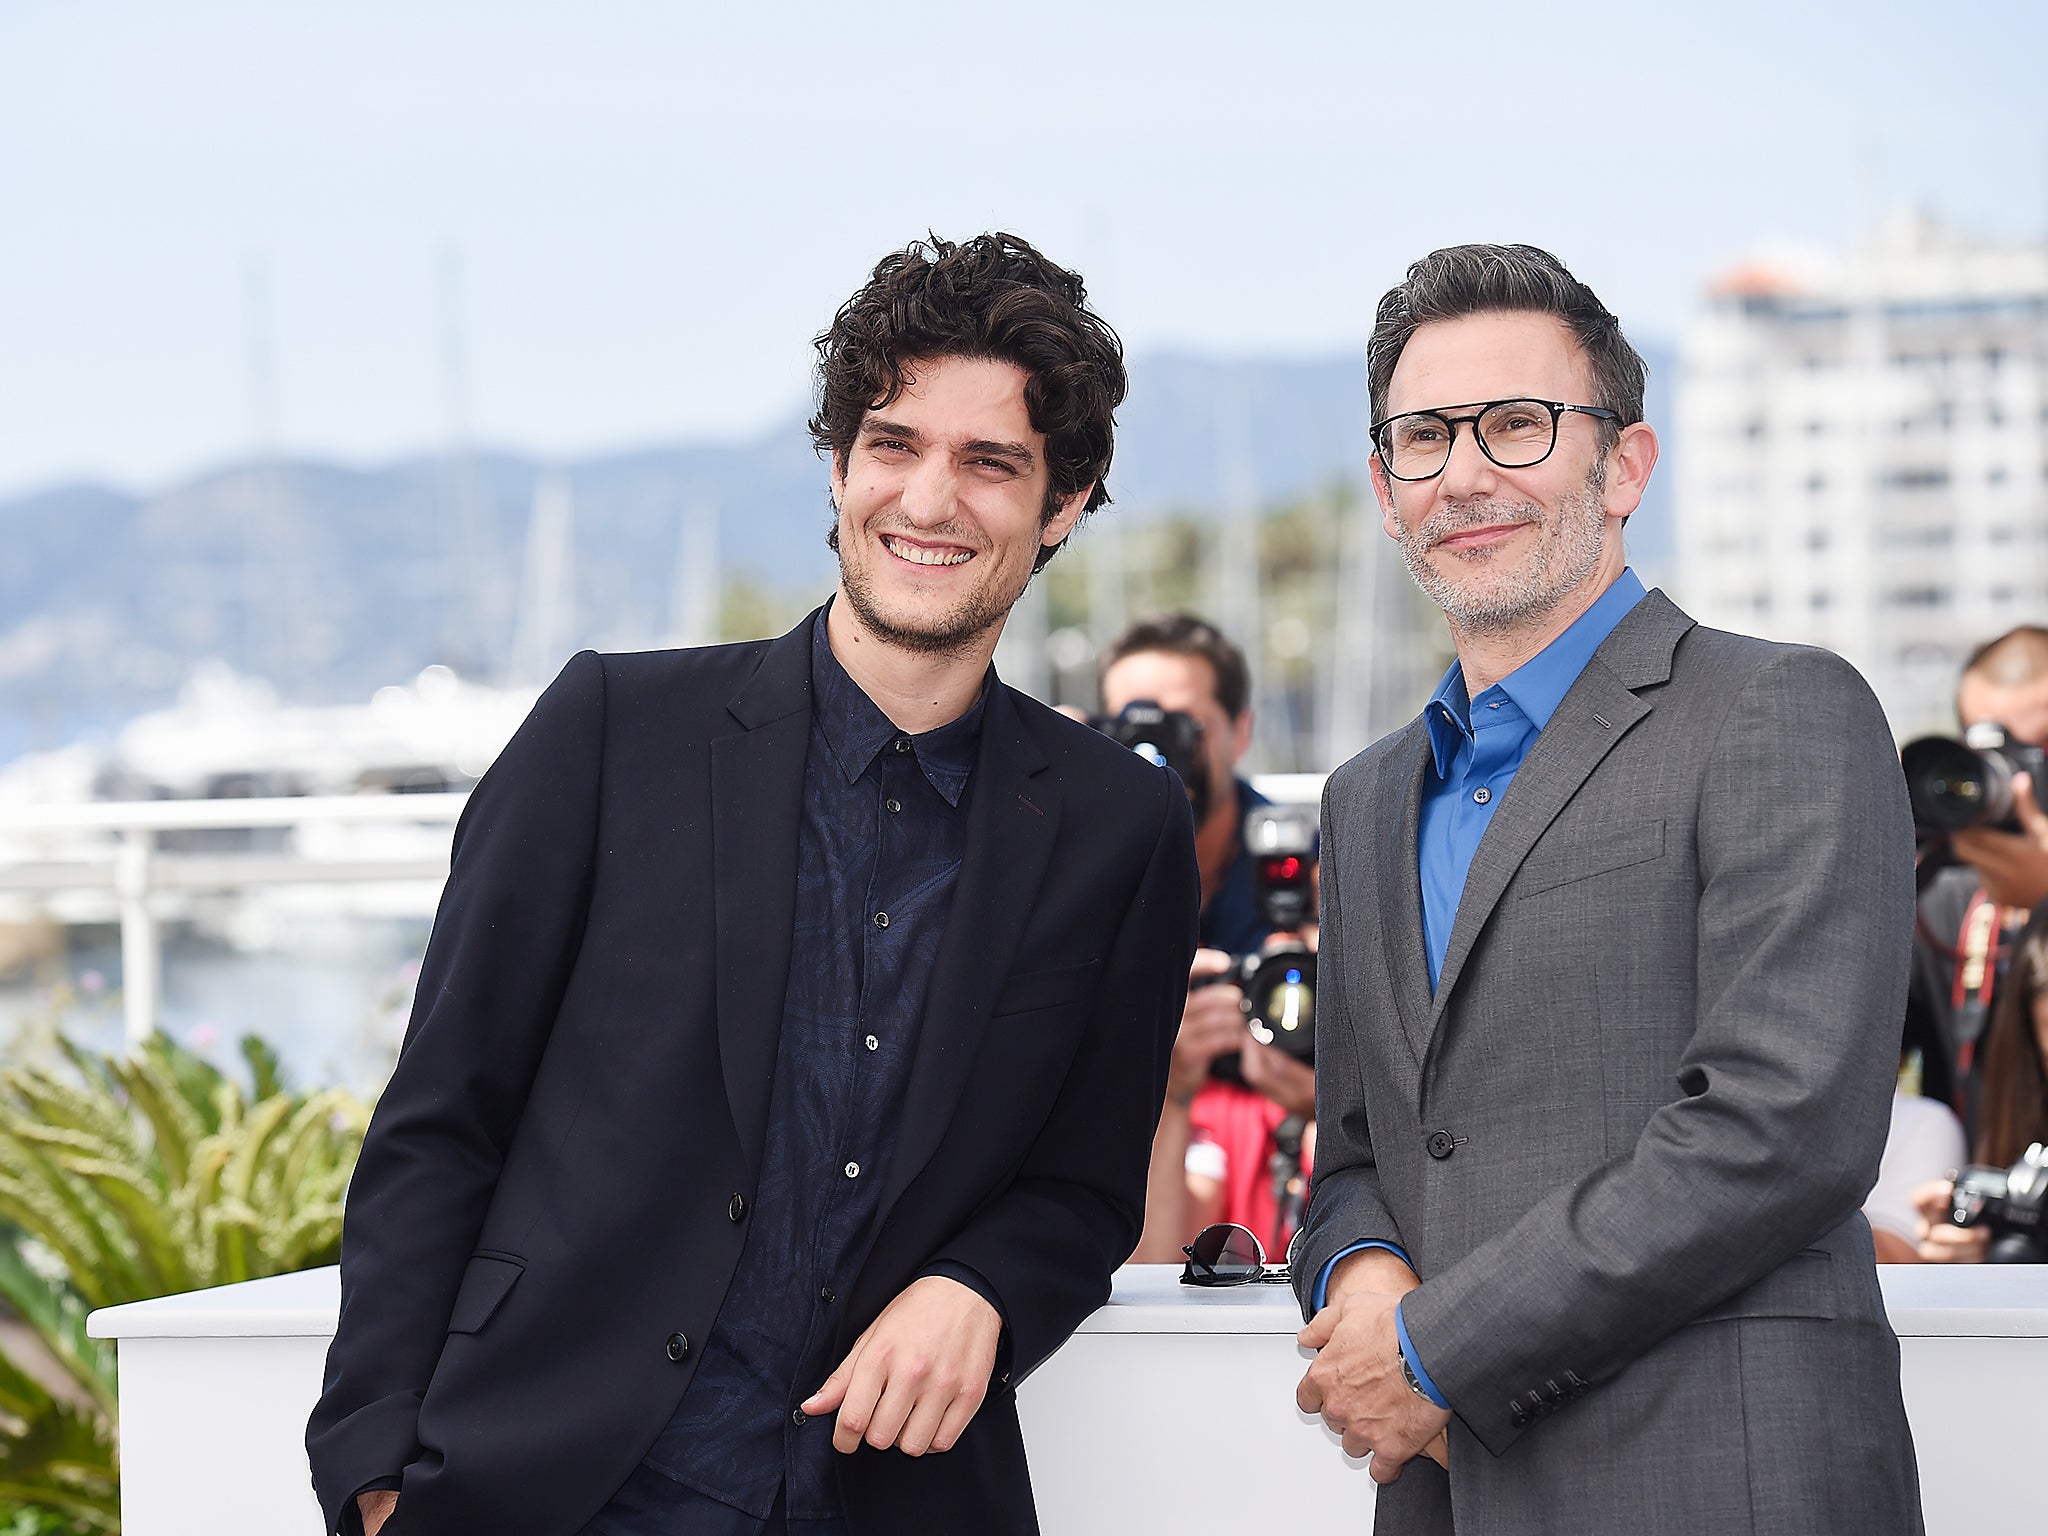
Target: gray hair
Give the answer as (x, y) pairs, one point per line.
(1476, 279)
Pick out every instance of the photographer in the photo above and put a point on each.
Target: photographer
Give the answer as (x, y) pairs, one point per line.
(2014, 1099)
(1970, 915)
(1213, 1149)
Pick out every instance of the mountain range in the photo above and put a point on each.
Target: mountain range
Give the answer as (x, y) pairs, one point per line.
(331, 580)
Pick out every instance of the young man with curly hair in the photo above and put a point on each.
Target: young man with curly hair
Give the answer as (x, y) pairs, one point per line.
(786, 1056)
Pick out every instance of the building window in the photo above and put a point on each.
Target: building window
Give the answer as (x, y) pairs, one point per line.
(1917, 597)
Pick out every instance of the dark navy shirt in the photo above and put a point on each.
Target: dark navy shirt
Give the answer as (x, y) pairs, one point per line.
(878, 857)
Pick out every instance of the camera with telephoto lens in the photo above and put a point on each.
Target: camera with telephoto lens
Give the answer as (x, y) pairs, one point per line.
(2011, 1202)
(1168, 737)
(1967, 783)
(1279, 982)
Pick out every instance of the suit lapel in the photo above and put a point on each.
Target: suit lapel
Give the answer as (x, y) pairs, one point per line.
(1398, 883)
(1601, 708)
(1013, 818)
(757, 782)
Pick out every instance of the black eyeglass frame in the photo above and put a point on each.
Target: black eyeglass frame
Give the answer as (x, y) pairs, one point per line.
(1208, 1274)
(1478, 408)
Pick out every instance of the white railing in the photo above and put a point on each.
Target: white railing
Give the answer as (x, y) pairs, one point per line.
(117, 846)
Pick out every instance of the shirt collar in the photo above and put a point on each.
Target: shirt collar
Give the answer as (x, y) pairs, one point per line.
(857, 731)
(1539, 684)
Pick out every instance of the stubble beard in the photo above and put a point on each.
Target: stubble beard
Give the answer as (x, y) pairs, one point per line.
(943, 633)
(1570, 541)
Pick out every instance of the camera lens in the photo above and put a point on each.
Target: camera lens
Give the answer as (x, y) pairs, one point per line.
(1953, 786)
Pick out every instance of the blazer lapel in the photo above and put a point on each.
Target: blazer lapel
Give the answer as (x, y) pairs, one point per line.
(1601, 708)
(1398, 883)
(1013, 818)
(757, 783)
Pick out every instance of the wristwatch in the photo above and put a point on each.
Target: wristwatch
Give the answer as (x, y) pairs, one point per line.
(1408, 1374)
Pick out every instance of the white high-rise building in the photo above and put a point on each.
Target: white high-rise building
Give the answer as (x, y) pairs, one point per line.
(1865, 456)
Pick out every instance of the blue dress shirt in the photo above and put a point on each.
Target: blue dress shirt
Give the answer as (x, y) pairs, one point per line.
(878, 857)
(1475, 747)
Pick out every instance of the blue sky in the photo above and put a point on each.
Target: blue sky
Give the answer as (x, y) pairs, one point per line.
(655, 206)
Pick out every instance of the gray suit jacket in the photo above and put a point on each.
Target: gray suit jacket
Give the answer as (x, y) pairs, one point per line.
(1626, 1141)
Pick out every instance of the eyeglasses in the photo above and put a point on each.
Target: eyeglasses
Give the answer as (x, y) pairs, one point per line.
(1513, 433)
(1227, 1254)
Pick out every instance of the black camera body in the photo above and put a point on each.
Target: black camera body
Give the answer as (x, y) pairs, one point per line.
(1168, 737)
(2011, 1202)
(1968, 783)
(1279, 982)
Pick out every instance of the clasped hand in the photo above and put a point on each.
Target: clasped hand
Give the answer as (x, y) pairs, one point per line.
(1356, 1382)
(918, 1374)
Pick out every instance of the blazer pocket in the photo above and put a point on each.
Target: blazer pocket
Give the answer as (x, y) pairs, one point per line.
(1062, 984)
(485, 1283)
(1584, 858)
(1802, 1286)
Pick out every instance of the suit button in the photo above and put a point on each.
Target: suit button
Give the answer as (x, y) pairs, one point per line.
(736, 1207)
(1440, 1145)
(1517, 1414)
(678, 1346)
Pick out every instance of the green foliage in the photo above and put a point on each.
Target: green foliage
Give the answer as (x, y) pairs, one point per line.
(130, 1177)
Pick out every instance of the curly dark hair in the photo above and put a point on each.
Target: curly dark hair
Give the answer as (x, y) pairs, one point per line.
(992, 297)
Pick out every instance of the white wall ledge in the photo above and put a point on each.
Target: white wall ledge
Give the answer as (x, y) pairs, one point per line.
(216, 1386)
(1924, 1301)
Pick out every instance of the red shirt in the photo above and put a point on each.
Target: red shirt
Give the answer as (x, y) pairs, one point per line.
(1237, 1123)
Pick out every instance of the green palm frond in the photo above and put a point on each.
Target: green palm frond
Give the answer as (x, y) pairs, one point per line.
(266, 1071)
(142, 1175)
(53, 1309)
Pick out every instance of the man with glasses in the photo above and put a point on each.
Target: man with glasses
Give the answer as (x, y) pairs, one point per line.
(1614, 953)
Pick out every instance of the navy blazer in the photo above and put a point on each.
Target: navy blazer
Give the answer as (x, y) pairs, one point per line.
(555, 1188)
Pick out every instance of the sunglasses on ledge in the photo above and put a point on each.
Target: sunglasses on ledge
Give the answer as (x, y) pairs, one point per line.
(1227, 1254)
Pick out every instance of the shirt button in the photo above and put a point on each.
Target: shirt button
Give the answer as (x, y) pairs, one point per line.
(853, 1170)
(881, 919)
(828, 1295)
(893, 805)
(902, 743)
(1481, 795)
(873, 1044)
(798, 1416)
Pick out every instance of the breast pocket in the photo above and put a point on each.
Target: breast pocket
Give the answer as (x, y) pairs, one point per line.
(485, 1284)
(1058, 987)
(1589, 856)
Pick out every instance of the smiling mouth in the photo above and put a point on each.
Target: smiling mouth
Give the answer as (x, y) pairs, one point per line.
(925, 554)
(1477, 538)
